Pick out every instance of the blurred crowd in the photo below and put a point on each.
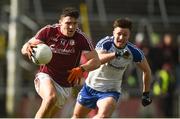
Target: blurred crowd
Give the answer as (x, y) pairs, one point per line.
(162, 53)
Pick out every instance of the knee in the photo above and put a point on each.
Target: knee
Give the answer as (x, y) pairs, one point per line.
(75, 116)
(102, 115)
(50, 100)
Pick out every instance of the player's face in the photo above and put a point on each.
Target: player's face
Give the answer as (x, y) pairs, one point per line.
(121, 36)
(68, 26)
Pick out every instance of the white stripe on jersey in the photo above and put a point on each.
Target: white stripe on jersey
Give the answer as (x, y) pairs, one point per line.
(37, 34)
(86, 37)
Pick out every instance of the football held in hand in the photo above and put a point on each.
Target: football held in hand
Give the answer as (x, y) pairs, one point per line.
(42, 54)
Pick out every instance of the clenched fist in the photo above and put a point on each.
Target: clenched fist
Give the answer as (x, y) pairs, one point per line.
(146, 100)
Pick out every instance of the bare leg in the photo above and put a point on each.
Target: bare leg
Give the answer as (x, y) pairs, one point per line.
(80, 111)
(55, 112)
(106, 107)
(68, 106)
(47, 92)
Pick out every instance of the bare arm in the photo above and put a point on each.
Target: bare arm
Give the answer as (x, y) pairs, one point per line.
(93, 61)
(144, 66)
(105, 57)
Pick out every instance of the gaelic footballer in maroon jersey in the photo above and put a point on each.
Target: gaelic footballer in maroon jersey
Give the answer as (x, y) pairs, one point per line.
(54, 80)
(66, 52)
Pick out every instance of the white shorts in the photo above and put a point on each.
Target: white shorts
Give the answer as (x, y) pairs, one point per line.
(62, 92)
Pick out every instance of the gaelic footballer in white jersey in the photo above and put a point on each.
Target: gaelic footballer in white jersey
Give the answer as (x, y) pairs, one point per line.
(105, 78)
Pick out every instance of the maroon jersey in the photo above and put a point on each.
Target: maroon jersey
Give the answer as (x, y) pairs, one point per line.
(66, 52)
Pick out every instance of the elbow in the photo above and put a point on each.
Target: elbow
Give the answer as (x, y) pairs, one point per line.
(149, 71)
(23, 51)
(98, 63)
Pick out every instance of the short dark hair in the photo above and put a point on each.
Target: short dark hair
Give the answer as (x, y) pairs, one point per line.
(70, 11)
(123, 23)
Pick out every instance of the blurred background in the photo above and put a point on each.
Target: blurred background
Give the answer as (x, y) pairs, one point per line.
(156, 31)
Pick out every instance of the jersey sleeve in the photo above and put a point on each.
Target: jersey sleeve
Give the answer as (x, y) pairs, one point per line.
(42, 34)
(104, 44)
(137, 54)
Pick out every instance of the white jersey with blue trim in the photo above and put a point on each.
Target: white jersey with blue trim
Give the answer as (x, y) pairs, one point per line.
(109, 76)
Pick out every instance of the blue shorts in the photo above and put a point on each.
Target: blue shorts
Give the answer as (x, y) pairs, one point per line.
(88, 97)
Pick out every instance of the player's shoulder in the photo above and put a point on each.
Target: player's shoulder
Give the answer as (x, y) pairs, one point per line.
(132, 47)
(81, 34)
(106, 39)
(83, 38)
(137, 53)
(50, 27)
(105, 42)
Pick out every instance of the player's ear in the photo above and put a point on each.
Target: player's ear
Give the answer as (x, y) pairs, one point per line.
(60, 22)
(113, 32)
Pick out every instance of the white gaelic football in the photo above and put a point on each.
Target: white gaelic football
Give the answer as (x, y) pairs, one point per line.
(42, 54)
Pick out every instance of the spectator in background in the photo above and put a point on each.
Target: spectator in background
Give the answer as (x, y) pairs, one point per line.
(164, 85)
(178, 67)
(164, 88)
(169, 51)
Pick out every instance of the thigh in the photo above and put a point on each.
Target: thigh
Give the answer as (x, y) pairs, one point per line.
(63, 94)
(106, 106)
(87, 97)
(80, 111)
(85, 102)
(44, 85)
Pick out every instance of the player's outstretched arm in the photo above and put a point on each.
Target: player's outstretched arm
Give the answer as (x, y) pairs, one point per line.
(105, 57)
(144, 66)
(92, 63)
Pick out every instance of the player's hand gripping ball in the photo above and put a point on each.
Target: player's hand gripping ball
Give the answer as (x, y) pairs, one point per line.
(41, 54)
